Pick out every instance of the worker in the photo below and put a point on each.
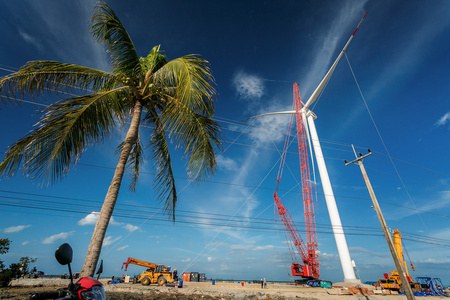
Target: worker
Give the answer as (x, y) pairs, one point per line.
(265, 283)
(262, 283)
(175, 274)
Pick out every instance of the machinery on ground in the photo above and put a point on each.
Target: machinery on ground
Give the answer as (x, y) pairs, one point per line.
(159, 274)
(392, 281)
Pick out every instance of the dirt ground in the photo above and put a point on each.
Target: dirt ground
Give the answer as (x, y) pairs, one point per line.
(21, 289)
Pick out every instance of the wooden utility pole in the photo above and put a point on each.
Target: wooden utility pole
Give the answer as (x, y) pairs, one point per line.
(405, 283)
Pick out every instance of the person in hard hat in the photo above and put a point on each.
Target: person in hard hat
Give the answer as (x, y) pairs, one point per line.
(175, 274)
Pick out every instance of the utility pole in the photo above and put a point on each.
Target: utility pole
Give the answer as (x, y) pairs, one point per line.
(405, 283)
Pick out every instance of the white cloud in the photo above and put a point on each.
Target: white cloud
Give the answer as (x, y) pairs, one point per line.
(109, 240)
(226, 163)
(186, 260)
(25, 243)
(443, 120)
(122, 248)
(91, 219)
(59, 236)
(210, 258)
(131, 228)
(248, 86)
(14, 229)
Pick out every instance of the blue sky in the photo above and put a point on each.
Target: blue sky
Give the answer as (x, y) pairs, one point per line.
(257, 49)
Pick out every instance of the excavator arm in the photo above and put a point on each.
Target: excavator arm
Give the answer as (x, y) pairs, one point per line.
(138, 262)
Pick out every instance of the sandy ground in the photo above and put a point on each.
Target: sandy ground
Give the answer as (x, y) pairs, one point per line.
(21, 289)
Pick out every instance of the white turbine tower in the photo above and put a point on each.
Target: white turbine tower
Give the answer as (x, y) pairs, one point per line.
(341, 243)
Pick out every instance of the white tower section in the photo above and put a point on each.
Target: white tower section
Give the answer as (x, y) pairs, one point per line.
(341, 243)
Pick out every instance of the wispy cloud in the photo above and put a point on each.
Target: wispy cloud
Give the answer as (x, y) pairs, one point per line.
(30, 39)
(366, 251)
(14, 229)
(226, 163)
(122, 248)
(248, 86)
(59, 236)
(247, 247)
(440, 201)
(330, 42)
(443, 120)
(110, 240)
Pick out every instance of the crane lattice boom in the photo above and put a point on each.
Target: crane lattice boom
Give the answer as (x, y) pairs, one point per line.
(309, 252)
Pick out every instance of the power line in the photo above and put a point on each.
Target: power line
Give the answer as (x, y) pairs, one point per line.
(216, 220)
(325, 229)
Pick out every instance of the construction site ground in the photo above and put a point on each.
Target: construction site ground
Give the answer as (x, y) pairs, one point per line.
(22, 288)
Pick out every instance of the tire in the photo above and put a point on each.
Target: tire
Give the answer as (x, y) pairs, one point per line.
(162, 280)
(145, 281)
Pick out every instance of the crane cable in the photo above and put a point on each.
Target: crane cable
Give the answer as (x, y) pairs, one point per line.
(384, 145)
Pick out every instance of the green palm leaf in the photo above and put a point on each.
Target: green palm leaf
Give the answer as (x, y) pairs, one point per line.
(164, 180)
(192, 81)
(107, 29)
(134, 162)
(40, 77)
(198, 134)
(64, 132)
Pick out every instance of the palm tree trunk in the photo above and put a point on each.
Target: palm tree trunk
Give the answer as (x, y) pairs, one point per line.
(98, 236)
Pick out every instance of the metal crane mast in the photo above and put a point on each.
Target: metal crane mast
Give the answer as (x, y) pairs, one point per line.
(309, 253)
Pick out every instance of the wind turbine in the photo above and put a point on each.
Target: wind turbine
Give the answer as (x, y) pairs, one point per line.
(341, 243)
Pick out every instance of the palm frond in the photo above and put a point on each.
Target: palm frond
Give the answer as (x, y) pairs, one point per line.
(192, 83)
(41, 77)
(65, 130)
(199, 135)
(107, 29)
(154, 60)
(164, 180)
(134, 162)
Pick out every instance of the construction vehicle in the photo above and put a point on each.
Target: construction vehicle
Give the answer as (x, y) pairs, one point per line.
(159, 274)
(393, 281)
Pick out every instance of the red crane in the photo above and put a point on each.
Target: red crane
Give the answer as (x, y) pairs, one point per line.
(309, 267)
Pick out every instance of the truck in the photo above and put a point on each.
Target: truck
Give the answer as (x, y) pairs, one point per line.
(393, 281)
(154, 273)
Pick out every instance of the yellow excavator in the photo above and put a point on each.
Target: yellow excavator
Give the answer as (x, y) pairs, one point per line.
(159, 274)
(393, 281)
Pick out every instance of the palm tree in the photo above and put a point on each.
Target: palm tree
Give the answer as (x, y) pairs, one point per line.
(176, 98)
